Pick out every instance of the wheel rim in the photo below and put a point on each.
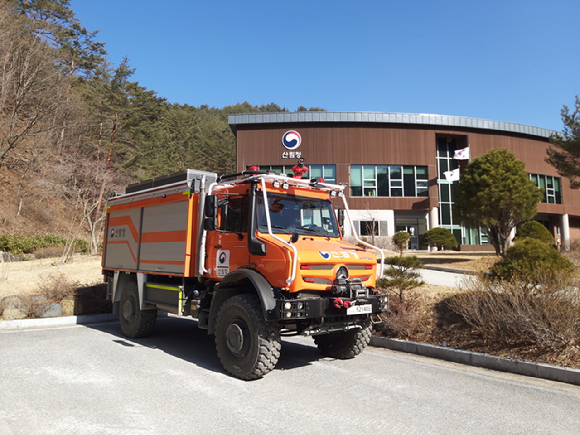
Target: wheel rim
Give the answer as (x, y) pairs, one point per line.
(237, 339)
(129, 310)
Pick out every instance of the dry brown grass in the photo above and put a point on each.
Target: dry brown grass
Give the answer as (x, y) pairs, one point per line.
(538, 327)
(24, 277)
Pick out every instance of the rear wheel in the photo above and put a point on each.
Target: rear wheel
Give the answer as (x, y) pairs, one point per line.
(135, 323)
(344, 344)
(248, 346)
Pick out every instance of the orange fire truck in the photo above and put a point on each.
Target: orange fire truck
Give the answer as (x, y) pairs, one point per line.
(252, 256)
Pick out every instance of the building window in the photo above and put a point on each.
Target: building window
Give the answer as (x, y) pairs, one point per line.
(369, 228)
(551, 186)
(447, 190)
(389, 181)
(372, 228)
(326, 172)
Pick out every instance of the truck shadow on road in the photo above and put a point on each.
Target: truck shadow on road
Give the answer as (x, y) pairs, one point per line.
(181, 338)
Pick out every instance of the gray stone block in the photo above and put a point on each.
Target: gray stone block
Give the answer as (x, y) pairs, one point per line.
(13, 314)
(52, 310)
(561, 374)
(544, 371)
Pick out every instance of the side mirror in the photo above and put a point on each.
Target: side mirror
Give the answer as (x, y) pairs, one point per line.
(209, 224)
(210, 206)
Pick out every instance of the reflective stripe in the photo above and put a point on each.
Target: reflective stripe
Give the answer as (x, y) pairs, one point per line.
(163, 287)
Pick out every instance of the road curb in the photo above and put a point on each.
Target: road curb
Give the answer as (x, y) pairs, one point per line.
(447, 269)
(56, 321)
(538, 370)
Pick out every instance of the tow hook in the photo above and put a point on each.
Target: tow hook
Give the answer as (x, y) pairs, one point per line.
(339, 303)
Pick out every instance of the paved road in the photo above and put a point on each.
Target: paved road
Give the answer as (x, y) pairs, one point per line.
(91, 380)
(448, 279)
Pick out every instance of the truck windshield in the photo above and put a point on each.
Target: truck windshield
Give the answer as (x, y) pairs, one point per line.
(294, 214)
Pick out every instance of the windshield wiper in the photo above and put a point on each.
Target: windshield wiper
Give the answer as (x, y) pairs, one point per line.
(307, 229)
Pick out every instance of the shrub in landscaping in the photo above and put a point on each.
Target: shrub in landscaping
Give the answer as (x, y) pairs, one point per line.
(400, 240)
(401, 274)
(574, 253)
(405, 319)
(532, 261)
(56, 286)
(19, 245)
(440, 238)
(535, 230)
(399, 279)
(81, 245)
(544, 316)
(52, 252)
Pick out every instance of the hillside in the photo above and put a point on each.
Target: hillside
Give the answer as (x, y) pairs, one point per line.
(29, 211)
(74, 128)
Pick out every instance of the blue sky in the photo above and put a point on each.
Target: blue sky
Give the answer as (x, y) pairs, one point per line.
(515, 61)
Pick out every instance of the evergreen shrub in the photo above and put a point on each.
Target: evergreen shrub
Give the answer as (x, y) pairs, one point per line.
(18, 245)
(440, 237)
(531, 261)
(535, 230)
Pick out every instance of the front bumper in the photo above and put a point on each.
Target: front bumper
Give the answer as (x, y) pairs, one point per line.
(330, 308)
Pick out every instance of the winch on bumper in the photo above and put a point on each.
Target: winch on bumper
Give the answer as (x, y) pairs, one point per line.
(348, 297)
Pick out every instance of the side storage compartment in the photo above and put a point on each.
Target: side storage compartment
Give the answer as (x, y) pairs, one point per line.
(166, 297)
(164, 238)
(122, 239)
(152, 238)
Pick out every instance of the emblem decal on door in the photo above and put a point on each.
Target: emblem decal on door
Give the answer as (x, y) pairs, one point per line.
(222, 263)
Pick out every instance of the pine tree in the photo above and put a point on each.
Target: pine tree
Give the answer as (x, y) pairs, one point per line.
(496, 193)
(565, 156)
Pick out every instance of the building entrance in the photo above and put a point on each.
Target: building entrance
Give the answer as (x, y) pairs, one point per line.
(413, 231)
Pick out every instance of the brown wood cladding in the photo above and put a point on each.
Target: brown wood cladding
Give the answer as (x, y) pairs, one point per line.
(344, 144)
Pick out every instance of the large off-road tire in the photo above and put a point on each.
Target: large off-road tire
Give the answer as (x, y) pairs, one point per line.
(344, 344)
(135, 323)
(247, 346)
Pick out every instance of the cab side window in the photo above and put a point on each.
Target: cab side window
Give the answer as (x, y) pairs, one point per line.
(234, 214)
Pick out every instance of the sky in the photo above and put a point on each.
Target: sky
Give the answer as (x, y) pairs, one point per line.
(511, 60)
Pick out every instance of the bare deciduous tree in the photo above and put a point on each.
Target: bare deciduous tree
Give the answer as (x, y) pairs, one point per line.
(32, 90)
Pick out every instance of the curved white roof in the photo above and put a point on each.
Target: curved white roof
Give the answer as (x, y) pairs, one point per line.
(387, 118)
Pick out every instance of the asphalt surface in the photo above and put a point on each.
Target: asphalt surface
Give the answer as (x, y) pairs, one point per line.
(444, 278)
(91, 380)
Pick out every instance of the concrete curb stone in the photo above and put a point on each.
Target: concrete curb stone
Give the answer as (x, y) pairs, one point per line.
(538, 370)
(56, 321)
(63, 321)
(447, 269)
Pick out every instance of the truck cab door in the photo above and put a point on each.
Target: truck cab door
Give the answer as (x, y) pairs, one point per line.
(227, 246)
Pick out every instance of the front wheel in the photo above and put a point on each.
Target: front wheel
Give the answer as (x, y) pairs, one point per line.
(247, 346)
(344, 344)
(135, 323)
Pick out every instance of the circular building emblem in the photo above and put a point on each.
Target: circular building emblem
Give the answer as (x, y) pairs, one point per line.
(291, 140)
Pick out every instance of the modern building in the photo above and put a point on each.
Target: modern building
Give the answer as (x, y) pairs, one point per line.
(395, 163)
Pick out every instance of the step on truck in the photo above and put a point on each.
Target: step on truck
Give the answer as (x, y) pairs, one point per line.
(252, 256)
